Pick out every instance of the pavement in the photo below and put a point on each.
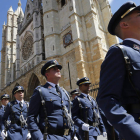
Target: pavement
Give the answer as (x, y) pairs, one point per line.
(101, 137)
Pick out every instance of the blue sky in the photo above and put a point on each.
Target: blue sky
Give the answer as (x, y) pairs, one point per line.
(5, 5)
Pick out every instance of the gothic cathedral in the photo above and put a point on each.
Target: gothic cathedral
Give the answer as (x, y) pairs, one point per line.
(74, 32)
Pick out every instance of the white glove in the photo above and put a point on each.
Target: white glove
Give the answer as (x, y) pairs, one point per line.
(75, 138)
(3, 134)
(28, 136)
(85, 127)
(104, 134)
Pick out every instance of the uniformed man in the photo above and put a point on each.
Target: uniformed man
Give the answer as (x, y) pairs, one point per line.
(51, 104)
(119, 92)
(85, 113)
(74, 94)
(4, 101)
(17, 112)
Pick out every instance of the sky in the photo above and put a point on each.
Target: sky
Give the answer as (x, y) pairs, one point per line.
(6, 4)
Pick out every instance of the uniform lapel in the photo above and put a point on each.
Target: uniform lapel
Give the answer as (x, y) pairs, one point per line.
(24, 106)
(51, 89)
(63, 95)
(1, 108)
(86, 99)
(16, 105)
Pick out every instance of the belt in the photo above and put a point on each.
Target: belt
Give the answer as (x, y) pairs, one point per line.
(94, 124)
(59, 132)
(132, 108)
(16, 122)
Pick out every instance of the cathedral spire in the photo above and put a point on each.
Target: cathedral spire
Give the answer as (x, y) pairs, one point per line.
(10, 9)
(19, 3)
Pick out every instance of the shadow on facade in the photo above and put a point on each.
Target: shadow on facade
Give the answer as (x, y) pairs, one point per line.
(33, 83)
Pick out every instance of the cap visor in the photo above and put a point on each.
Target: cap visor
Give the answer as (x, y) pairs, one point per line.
(59, 67)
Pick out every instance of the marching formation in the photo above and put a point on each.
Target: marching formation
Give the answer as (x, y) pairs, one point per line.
(51, 115)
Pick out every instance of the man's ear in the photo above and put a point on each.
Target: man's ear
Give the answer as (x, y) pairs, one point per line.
(46, 74)
(124, 25)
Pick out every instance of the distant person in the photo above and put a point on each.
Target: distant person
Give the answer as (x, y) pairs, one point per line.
(17, 112)
(85, 113)
(4, 101)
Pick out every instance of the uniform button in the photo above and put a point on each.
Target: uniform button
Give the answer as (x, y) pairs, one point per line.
(86, 106)
(62, 101)
(11, 127)
(139, 118)
(21, 112)
(50, 99)
(63, 115)
(93, 107)
(63, 108)
(64, 123)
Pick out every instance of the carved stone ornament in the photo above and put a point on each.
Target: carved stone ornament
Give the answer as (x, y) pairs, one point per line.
(71, 8)
(27, 48)
(67, 39)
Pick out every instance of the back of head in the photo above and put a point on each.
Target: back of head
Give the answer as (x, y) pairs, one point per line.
(121, 14)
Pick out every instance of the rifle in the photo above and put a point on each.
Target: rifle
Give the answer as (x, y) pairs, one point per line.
(45, 113)
(112, 133)
(5, 130)
(72, 138)
(86, 132)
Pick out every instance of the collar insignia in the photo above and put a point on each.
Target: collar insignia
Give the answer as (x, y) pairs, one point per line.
(49, 87)
(136, 47)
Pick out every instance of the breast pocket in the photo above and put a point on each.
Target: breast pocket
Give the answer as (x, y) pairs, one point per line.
(51, 104)
(15, 113)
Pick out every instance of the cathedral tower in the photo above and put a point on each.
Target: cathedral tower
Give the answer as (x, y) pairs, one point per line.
(9, 46)
(75, 33)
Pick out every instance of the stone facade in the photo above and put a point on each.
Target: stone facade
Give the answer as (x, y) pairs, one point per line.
(74, 32)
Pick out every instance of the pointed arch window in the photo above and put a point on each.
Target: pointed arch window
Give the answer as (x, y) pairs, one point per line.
(28, 8)
(63, 2)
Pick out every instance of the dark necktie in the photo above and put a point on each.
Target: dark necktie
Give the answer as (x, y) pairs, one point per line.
(4, 108)
(57, 89)
(21, 104)
(89, 99)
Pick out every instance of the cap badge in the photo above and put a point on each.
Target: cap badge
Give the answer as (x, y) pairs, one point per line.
(86, 78)
(136, 47)
(55, 61)
(19, 88)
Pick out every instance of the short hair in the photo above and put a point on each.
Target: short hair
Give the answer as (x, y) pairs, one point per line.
(118, 28)
(46, 71)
